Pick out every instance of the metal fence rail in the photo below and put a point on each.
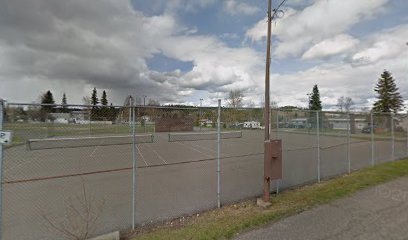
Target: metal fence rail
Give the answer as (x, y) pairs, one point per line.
(123, 166)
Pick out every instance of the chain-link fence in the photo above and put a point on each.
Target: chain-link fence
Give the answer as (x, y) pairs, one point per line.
(74, 172)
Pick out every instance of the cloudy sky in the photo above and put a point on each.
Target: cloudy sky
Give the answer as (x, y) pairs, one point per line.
(178, 51)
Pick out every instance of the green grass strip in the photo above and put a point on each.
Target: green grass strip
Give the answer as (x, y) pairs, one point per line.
(228, 221)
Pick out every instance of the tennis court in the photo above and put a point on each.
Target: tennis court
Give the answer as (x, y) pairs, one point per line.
(176, 172)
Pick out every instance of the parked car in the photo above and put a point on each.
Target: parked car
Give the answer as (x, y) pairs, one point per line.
(367, 129)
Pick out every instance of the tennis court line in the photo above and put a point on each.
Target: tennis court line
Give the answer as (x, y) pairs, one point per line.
(156, 153)
(141, 155)
(93, 152)
(192, 148)
(206, 148)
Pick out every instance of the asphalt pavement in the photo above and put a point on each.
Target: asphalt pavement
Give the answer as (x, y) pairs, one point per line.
(380, 212)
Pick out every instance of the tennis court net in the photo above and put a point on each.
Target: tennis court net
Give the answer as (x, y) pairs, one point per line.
(76, 142)
(177, 137)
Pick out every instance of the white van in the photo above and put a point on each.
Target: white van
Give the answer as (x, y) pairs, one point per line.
(252, 125)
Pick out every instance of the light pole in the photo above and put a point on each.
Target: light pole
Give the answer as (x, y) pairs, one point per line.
(199, 120)
(309, 96)
(144, 111)
(130, 112)
(407, 125)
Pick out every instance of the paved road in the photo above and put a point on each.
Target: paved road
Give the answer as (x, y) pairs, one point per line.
(377, 213)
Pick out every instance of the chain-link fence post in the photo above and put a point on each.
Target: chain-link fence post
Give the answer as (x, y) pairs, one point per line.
(1, 168)
(277, 136)
(318, 145)
(218, 154)
(133, 165)
(372, 138)
(406, 136)
(393, 138)
(348, 143)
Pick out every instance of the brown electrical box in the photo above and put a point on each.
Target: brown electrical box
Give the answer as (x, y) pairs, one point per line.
(273, 159)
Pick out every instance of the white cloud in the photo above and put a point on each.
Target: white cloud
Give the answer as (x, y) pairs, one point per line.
(47, 45)
(233, 7)
(106, 46)
(329, 47)
(258, 31)
(386, 44)
(297, 31)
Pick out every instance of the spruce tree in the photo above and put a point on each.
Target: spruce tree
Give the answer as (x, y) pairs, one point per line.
(104, 100)
(94, 102)
(389, 98)
(94, 97)
(314, 101)
(64, 100)
(47, 98)
(64, 103)
(104, 111)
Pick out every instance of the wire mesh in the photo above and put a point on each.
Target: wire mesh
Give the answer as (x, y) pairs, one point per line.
(178, 175)
(241, 158)
(300, 147)
(66, 163)
(400, 135)
(383, 137)
(334, 144)
(66, 157)
(361, 147)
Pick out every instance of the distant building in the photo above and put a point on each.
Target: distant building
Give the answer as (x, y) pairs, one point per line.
(298, 123)
(61, 117)
(342, 123)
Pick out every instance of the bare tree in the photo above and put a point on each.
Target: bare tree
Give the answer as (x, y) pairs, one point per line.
(348, 102)
(340, 103)
(138, 101)
(86, 100)
(235, 98)
(153, 102)
(82, 214)
(344, 103)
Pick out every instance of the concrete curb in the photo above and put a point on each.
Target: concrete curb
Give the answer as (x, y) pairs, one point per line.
(109, 236)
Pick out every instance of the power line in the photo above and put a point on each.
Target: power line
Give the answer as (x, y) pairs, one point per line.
(276, 10)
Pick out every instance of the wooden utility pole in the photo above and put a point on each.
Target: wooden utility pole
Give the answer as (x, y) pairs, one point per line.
(267, 180)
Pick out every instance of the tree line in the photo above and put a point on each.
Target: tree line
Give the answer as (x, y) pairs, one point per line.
(389, 99)
(99, 109)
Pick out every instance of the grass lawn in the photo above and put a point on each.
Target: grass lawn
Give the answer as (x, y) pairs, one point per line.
(25, 131)
(227, 222)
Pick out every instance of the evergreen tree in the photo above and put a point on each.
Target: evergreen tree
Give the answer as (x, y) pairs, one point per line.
(104, 100)
(94, 102)
(64, 100)
(389, 98)
(314, 101)
(104, 111)
(46, 98)
(64, 103)
(94, 97)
